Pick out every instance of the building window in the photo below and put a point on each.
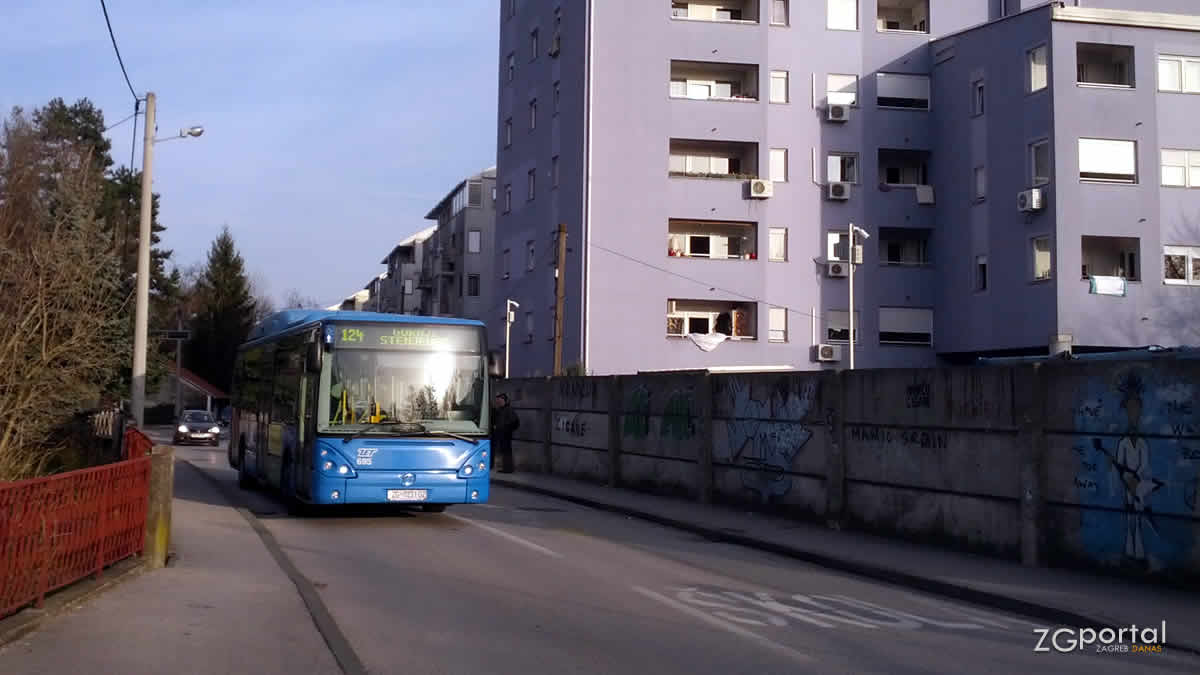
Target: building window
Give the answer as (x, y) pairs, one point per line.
(507, 198)
(1179, 74)
(473, 285)
(978, 98)
(837, 247)
(1039, 158)
(842, 15)
(895, 90)
(905, 326)
(1181, 168)
(506, 264)
(777, 241)
(512, 7)
(1104, 65)
(903, 168)
(841, 167)
(898, 246)
(705, 317)
(777, 324)
(1107, 161)
(474, 193)
(1042, 267)
(474, 241)
(554, 170)
(679, 10)
(528, 326)
(1110, 257)
(557, 96)
(533, 45)
(841, 89)
(408, 286)
(779, 12)
(908, 16)
(779, 165)
(508, 133)
(532, 184)
(1181, 265)
(512, 66)
(530, 259)
(715, 240)
(1039, 69)
(837, 326)
(980, 183)
(779, 86)
(981, 275)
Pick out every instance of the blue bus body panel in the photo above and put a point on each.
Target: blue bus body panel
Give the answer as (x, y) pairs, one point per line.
(376, 465)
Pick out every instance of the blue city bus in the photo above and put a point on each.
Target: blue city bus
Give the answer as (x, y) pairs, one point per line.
(336, 407)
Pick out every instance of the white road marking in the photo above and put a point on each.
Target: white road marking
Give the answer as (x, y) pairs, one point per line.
(725, 625)
(511, 537)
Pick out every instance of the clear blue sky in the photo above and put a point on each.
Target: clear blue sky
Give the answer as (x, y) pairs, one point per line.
(331, 127)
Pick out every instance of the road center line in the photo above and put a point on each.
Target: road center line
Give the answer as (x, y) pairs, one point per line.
(511, 537)
(736, 630)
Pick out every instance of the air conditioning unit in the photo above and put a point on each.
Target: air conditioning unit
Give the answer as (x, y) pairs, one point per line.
(761, 189)
(1030, 200)
(839, 191)
(837, 269)
(837, 112)
(823, 353)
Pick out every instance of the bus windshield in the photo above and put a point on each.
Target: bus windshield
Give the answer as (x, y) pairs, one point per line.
(373, 389)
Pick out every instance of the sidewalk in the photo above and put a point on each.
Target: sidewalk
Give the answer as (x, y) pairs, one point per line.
(223, 606)
(1055, 596)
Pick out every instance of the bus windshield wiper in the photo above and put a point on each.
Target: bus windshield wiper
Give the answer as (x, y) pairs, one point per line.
(448, 434)
(371, 425)
(409, 429)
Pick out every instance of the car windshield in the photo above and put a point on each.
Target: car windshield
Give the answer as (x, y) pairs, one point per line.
(197, 417)
(368, 390)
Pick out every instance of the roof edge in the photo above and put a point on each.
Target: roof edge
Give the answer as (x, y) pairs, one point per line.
(1127, 17)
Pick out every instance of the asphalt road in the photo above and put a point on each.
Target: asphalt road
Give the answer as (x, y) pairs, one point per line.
(530, 584)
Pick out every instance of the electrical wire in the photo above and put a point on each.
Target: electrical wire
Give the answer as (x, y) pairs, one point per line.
(114, 126)
(116, 49)
(133, 143)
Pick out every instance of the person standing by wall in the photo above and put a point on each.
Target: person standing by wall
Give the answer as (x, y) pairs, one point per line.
(504, 423)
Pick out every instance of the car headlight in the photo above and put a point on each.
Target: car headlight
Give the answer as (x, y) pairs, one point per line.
(215, 430)
(183, 429)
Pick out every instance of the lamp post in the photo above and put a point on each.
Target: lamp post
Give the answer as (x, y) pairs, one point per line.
(141, 320)
(852, 254)
(508, 322)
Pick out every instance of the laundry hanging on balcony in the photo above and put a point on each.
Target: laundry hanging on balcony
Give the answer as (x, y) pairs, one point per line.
(708, 342)
(1108, 286)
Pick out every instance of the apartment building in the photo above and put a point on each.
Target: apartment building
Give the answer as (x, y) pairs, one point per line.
(457, 270)
(400, 290)
(752, 137)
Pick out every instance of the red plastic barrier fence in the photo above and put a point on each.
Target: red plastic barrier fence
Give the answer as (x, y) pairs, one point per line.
(136, 444)
(57, 530)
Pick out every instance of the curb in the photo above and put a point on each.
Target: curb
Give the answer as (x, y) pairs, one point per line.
(64, 600)
(1052, 615)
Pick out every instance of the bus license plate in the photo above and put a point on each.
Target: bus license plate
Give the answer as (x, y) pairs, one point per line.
(406, 495)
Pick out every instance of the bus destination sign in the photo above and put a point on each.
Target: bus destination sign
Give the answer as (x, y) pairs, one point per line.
(416, 336)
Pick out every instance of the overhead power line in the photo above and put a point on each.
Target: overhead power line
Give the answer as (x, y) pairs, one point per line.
(117, 50)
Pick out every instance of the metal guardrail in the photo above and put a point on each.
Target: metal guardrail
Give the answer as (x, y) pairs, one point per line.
(57, 530)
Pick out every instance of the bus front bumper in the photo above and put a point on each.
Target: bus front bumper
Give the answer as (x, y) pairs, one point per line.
(401, 487)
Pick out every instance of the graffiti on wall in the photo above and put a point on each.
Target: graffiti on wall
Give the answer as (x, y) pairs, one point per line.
(923, 439)
(1139, 467)
(678, 419)
(765, 449)
(918, 394)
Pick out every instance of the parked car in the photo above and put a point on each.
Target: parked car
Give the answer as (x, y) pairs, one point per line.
(197, 426)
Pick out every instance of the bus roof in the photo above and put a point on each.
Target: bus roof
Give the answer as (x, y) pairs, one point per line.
(283, 322)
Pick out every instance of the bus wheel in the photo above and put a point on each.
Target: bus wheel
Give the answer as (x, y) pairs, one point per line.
(244, 480)
(433, 508)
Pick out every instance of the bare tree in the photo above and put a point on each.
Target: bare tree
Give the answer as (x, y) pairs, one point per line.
(264, 304)
(60, 296)
(297, 300)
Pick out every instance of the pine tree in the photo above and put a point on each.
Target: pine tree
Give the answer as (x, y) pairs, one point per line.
(224, 309)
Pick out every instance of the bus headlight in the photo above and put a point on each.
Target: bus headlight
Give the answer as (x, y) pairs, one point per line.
(468, 470)
(343, 469)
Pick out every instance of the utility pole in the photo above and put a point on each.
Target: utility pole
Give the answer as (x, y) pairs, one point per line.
(560, 291)
(850, 256)
(141, 323)
(178, 365)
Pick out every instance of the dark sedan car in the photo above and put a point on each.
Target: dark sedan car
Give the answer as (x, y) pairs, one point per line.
(197, 426)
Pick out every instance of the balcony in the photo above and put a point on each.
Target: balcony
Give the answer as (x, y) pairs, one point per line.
(1101, 65)
(706, 81)
(733, 320)
(903, 168)
(1109, 263)
(902, 16)
(712, 240)
(726, 11)
(904, 247)
(713, 159)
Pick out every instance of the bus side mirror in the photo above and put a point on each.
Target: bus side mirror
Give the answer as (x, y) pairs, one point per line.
(315, 354)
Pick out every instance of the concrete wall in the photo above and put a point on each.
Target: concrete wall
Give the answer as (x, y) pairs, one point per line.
(1024, 462)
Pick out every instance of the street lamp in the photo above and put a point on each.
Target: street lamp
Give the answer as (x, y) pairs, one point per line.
(854, 258)
(508, 322)
(141, 315)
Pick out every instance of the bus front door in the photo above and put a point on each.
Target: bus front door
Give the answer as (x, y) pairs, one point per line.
(305, 443)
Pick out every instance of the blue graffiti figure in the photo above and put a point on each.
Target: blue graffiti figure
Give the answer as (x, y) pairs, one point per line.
(1133, 464)
(765, 449)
